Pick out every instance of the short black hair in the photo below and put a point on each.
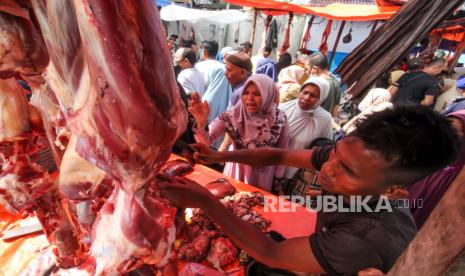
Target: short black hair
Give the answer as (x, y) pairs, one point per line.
(210, 47)
(267, 49)
(285, 60)
(190, 55)
(188, 43)
(414, 64)
(319, 60)
(437, 61)
(246, 45)
(321, 142)
(305, 51)
(415, 140)
(383, 81)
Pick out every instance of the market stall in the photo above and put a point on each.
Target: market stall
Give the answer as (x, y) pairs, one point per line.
(335, 14)
(17, 255)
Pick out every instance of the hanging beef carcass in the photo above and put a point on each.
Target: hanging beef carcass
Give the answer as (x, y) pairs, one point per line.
(111, 74)
(22, 50)
(26, 186)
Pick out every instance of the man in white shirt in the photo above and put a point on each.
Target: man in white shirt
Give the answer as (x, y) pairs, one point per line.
(190, 78)
(217, 90)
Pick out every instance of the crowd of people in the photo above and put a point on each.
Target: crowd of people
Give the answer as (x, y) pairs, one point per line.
(293, 103)
(278, 126)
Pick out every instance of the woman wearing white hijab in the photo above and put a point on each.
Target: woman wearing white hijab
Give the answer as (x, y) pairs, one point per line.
(307, 119)
(376, 100)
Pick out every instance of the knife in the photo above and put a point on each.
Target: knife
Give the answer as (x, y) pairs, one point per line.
(184, 146)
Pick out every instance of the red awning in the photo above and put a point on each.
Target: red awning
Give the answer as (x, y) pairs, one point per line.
(363, 11)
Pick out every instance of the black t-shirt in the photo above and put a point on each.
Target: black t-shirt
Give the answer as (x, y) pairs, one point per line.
(345, 243)
(414, 86)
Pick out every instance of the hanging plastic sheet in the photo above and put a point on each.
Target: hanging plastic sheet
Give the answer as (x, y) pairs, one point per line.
(179, 13)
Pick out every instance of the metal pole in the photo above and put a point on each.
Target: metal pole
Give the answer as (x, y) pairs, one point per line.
(339, 34)
(458, 52)
(375, 24)
(254, 25)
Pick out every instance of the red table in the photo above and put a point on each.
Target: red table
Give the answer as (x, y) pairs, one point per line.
(14, 256)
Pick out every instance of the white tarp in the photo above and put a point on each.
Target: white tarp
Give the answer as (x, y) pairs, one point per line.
(178, 13)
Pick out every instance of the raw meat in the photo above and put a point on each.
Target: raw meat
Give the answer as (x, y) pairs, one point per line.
(132, 230)
(195, 250)
(78, 178)
(222, 252)
(202, 239)
(22, 50)
(110, 73)
(131, 96)
(14, 112)
(221, 188)
(177, 168)
(25, 186)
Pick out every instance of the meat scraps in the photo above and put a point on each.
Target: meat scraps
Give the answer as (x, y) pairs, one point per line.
(221, 188)
(177, 168)
(203, 240)
(222, 252)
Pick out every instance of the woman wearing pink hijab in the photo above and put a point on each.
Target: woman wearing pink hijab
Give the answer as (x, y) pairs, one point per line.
(254, 122)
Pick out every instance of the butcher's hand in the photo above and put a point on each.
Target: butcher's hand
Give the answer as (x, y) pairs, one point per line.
(183, 192)
(205, 154)
(199, 110)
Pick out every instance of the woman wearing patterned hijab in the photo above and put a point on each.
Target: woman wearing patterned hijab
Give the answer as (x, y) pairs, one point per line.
(254, 122)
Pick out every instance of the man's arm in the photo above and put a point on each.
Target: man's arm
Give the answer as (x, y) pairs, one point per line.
(293, 254)
(428, 100)
(256, 157)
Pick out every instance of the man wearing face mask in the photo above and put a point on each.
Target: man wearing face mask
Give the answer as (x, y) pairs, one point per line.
(317, 66)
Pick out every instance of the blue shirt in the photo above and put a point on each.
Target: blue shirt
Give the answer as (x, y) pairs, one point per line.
(237, 92)
(458, 104)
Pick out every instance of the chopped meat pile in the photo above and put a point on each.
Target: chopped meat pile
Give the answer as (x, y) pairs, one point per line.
(222, 252)
(202, 239)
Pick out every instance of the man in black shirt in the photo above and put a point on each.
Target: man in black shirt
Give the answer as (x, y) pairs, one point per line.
(389, 150)
(419, 87)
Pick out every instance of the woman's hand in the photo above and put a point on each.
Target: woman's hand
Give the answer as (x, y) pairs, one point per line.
(199, 110)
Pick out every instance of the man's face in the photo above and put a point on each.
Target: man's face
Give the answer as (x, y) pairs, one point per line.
(437, 69)
(311, 69)
(353, 169)
(195, 48)
(170, 44)
(180, 60)
(234, 74)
